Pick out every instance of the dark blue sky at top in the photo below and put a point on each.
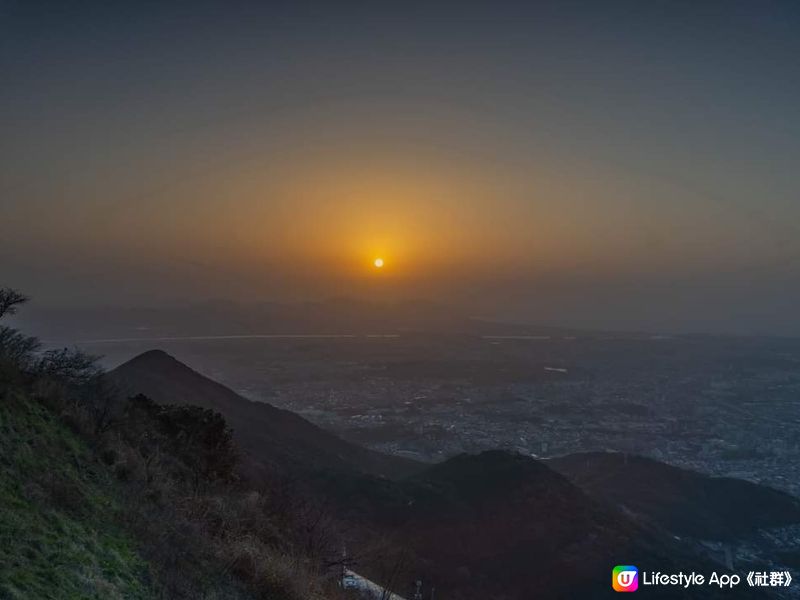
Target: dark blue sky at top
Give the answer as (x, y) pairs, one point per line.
(699, 100)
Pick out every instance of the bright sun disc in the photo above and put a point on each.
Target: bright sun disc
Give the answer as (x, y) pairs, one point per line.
(378, 262)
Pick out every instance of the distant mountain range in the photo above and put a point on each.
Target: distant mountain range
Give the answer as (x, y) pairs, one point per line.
(495, 525)
(338, 316)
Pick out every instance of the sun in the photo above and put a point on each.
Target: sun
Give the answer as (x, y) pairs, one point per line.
(378, 263)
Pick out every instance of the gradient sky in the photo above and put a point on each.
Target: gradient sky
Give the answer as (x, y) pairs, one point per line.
(605, 164)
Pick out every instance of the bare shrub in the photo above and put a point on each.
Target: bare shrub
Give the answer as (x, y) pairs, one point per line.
(10, 300)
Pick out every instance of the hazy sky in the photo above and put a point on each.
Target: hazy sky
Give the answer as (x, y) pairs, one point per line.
(614, 164)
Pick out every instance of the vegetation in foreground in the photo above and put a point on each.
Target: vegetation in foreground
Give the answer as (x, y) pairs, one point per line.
(103, 497)
(59, 525)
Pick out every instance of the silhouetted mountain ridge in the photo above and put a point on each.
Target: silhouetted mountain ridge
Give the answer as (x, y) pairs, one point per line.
(493, 525)
(682, 501)
(270, 436)
(502, 525)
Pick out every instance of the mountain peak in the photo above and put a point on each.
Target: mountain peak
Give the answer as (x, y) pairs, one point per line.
(159, 361)
(279, 437)
(155, 354)
(496, 471)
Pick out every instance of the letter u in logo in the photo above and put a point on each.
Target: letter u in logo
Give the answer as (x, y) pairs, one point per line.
(625, 578)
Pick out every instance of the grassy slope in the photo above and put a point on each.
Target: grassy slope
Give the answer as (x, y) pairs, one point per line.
(58, 532)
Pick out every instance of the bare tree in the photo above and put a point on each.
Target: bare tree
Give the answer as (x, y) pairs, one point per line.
(16, 350)
(9, 301)
(390, 575)
(315, 529)
(69, 365)
(100, 401)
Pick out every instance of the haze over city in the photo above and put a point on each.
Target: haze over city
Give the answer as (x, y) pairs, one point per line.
(609, 165)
